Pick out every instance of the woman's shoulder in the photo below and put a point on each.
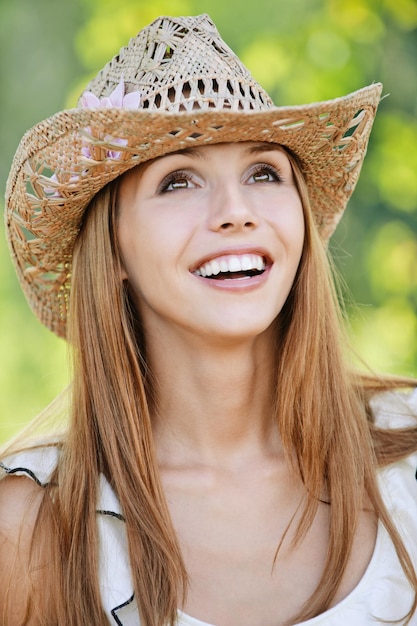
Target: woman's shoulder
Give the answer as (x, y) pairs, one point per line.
(20, 499)
(23, 475)
(37, 462)
(26, 474)
(21, 496)
(395, 409)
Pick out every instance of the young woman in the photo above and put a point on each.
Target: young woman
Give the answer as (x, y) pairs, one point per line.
(222, 463)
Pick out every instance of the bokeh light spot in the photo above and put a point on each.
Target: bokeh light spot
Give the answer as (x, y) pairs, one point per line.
(268, 62)
(392, 260)
(327, 49)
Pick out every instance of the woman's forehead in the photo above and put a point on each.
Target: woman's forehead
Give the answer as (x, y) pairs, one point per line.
(245, 147)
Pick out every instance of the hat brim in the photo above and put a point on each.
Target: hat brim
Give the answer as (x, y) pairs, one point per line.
(62, 162)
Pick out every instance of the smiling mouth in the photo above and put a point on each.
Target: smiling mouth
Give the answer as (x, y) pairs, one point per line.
(232, 267)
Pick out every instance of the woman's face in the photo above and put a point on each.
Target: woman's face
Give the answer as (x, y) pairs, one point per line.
(211, 238)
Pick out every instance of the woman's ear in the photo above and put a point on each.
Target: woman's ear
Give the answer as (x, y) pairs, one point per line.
(120, 264)
(120, 267)
(123, 272)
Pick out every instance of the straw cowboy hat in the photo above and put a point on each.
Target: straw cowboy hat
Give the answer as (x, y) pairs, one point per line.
(174, 85)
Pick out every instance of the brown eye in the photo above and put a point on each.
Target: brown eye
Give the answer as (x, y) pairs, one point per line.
(264, 173)
(176, 181)
(179, 183)
(262, 177)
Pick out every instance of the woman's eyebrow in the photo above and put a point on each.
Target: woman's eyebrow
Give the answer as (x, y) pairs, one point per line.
(192, 152)
(201, 154)
(189, 151)
(264, 147)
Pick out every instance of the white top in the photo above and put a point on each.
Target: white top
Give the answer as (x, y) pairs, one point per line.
(383, 593)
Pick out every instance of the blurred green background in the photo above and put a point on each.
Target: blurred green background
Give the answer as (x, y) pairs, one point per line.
(301, 51)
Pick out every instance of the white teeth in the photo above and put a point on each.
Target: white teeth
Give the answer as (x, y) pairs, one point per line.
(247, 263)
(260, 265)
(215, 267)
(234, 264)
(231, 263)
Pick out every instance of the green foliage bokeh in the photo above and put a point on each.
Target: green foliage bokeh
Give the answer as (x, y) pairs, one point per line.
(301, 51)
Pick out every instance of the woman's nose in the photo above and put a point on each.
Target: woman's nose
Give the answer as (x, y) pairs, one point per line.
(231, 210)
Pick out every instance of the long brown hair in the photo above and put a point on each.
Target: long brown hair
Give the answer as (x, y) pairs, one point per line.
(324, 418)
(321, 411)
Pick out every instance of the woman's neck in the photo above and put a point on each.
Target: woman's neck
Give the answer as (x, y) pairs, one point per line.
(214, 404)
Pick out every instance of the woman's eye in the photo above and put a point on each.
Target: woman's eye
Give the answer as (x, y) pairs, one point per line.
(176, 181)
(264, 173)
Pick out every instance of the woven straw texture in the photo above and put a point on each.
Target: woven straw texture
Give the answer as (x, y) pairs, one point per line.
(188, 88)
